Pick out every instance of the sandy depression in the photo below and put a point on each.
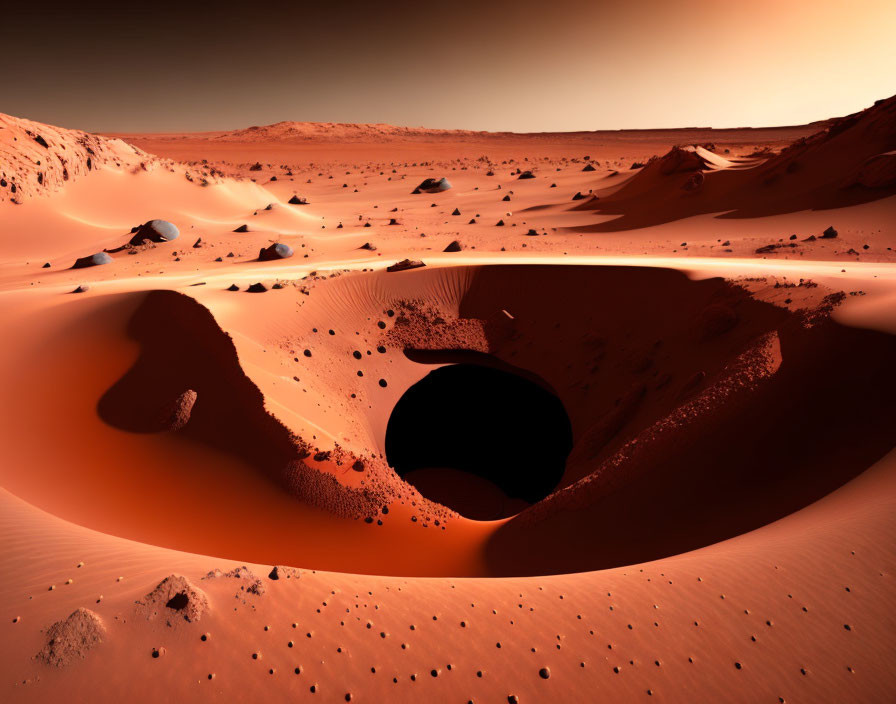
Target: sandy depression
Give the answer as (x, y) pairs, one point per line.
(366, 413)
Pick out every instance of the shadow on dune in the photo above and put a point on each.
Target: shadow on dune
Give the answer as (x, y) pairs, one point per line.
(181, 349)
(184, 354)
(699, 412)
(824, 417)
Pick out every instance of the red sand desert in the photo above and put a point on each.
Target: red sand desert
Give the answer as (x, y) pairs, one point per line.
(627, 434)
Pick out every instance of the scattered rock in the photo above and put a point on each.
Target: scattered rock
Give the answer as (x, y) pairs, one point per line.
(829, 234)
(405, 264)
(242, 228)
(155, 231)
(233, 287)
(455, 246)
(275, 251)
(767, 249)
(93, 260)
(257, 288)
(281, 572)
(368, 246)
(525, 175)
(82, 288)
(248, 581)
(432, 185)
(295, 200)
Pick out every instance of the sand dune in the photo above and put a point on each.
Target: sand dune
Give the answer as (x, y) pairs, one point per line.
(592, 447)
(847, 163)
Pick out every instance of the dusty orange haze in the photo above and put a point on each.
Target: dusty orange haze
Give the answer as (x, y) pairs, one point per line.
(521, 66)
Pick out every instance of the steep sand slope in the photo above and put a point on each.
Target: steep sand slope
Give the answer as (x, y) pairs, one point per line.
(852, 161)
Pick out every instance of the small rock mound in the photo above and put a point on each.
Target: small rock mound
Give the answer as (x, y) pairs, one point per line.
(72, 638)
(248, 581)
(257, 288)
(275, 251)
(155, 231)
(295, 200)
(177, 414)
(525, 175)
(281, 572)
(454, 247)
(174, 598)
(93, 260)
(405, 264)
(369, 246)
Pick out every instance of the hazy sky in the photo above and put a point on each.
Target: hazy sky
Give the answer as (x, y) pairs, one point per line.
(495, 65)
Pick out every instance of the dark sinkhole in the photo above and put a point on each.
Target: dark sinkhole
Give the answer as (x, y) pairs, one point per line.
(480, 440)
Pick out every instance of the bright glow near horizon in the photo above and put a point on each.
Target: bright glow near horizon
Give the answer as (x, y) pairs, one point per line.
(520, 66)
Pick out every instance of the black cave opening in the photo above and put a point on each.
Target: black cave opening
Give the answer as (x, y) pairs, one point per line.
(465, 429)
